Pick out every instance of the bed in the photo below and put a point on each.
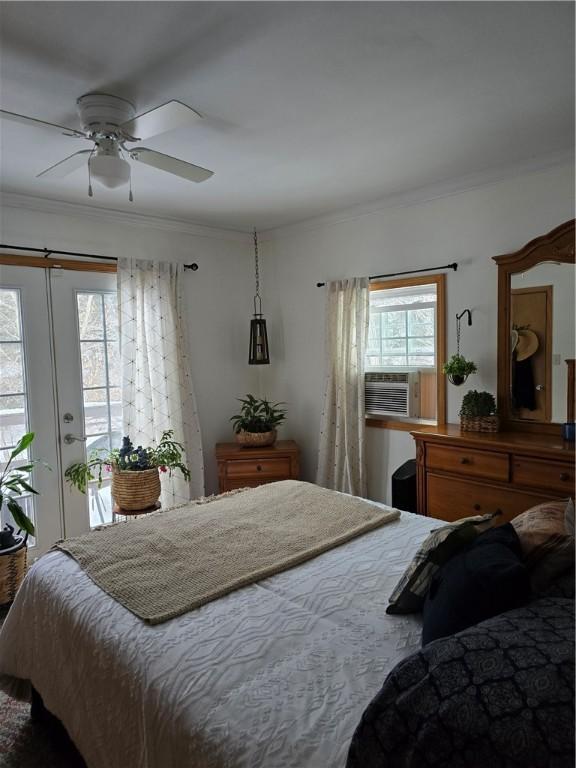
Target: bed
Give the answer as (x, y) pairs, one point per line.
(276, 674)
(303, 668)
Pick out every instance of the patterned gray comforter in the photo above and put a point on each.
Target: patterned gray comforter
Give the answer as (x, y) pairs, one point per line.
(499, 694)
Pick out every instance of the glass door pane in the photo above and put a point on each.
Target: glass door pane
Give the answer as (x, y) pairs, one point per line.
(13, 401)
(100, 355)
(27, 400)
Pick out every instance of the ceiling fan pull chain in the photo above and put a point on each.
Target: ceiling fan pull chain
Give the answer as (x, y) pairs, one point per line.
(90, 193)
(123, 153)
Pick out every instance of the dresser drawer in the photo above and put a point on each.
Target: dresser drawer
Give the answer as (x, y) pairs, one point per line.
(250, 482)
(468, 462)
(450, 499)
(548, 475)
(277, 467)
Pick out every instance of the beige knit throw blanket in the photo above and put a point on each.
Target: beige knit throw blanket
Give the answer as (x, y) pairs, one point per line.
(167, 563)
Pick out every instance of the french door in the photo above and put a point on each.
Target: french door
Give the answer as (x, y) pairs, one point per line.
(59, 378)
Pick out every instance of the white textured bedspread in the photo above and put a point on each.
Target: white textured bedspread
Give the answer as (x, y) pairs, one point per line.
(275, 675)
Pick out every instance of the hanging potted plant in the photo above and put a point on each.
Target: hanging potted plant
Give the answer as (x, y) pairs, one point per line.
(478, 412)
(458, 369)
(255, 425)
(13, 550)
(135, 471)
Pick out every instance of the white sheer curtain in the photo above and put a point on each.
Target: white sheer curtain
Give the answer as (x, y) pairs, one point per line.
(157, 391)
(341, 459)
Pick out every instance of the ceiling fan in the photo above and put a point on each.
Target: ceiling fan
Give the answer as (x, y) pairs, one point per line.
(111, 124)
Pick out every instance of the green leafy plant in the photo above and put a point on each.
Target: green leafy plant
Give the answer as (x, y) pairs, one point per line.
(258, 415)
(14, 483)
(476, 404)
(166, 455)
(458, 369)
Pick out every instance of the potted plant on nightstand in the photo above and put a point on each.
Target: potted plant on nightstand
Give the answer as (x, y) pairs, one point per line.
(478, 412)
(13, 551)
(255, 426)
(135, 471)
(458, 369)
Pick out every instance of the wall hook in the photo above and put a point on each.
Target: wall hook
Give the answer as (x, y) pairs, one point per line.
(461, 315)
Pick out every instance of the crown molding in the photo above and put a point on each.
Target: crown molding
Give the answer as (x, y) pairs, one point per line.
(46, 205)
(418, 196)
(426, 194)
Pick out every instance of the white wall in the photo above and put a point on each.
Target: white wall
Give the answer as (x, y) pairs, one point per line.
(469, 227)
(219, 296)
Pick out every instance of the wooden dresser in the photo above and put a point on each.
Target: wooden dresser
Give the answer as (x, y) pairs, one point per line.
(239, 467)
(472, 473)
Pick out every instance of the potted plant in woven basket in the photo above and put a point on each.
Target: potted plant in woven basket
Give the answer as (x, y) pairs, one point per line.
(478, 412)
(135, 470)
(13, 550)
(255, 425)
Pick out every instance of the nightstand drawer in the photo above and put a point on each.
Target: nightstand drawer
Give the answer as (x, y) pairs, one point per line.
(277, 467)
(548, 475)
(240, 467)
(450, 499)
(465, 461)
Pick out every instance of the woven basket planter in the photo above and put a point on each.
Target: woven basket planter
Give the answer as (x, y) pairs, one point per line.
(12, 571)
(256, 439)
(479, 423)
(136, 490)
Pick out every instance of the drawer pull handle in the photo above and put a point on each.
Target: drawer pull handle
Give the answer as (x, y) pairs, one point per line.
(259, 467)
(564, 476)
(477, 507)
(465, 460)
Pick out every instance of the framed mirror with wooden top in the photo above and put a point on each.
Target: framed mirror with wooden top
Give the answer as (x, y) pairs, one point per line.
(536, 333)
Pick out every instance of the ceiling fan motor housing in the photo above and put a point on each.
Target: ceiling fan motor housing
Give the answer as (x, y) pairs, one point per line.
(102, 114)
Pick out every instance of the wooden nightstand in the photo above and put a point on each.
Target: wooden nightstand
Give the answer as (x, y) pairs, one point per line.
(239, 467)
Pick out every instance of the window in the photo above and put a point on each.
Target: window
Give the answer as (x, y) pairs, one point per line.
(405, 352)
(13, 402)
(402, 328)
(100, 354)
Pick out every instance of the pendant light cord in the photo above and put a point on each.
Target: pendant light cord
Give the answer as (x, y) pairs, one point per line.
(256, 266)
(257, 276)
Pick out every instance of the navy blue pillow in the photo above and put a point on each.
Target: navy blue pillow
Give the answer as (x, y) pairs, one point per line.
(484, 580)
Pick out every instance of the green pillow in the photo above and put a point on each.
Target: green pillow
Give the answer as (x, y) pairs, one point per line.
(442, 544)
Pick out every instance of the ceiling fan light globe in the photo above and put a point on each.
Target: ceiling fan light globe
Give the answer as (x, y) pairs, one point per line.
(110, 170)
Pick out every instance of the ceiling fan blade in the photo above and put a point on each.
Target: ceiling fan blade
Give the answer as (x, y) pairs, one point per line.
(66, 166)
(170, 164)
(159, 120)
(39, 123)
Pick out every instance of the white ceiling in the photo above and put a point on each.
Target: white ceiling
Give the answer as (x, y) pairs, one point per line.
(309, 107)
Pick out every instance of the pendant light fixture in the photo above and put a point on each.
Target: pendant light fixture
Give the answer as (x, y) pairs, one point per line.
(259, 353)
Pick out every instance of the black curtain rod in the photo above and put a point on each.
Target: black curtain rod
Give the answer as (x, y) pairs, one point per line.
(49, 252)
(453, 266)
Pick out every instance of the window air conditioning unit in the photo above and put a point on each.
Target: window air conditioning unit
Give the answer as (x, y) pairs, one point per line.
(391, 394)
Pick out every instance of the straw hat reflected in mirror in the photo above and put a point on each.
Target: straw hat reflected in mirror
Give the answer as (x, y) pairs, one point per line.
(513, 341)
(526, 344)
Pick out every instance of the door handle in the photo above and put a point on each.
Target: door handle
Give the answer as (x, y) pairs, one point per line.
(540, 387)
(69, 439)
